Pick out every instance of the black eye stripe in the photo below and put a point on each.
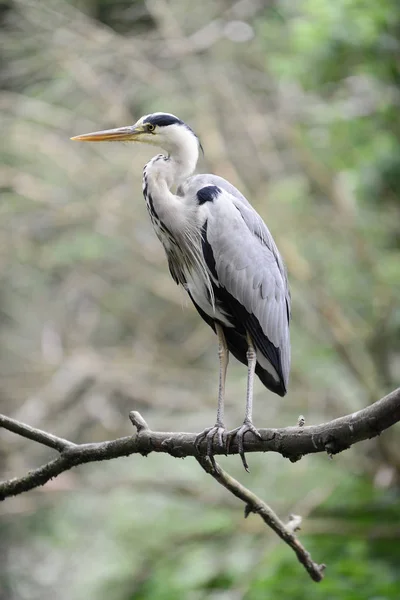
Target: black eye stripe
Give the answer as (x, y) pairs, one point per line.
(162, 120)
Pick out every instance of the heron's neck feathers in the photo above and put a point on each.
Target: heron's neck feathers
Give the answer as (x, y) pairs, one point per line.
(159, 179)
(165, 173)
(183, 153)
(177, 215)
(182, 148)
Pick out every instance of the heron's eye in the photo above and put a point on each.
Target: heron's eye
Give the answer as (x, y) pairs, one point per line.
(150, 127)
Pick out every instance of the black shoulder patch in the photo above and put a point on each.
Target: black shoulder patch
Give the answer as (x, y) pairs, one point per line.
(163, 119)
(208, 194)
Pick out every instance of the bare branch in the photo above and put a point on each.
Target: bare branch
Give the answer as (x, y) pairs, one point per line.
(254, 504)
(290, 442)
(37, 435)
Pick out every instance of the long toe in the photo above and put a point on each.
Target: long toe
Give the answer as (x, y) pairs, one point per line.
(239, 434)
(208, 435)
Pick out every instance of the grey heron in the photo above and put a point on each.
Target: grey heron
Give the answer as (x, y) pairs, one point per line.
(222, 253)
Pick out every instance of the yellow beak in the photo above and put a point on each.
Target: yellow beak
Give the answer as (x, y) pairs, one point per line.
(122, 134)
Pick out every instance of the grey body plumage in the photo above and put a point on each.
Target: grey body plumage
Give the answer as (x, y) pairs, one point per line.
(220, 250)
(248, 279)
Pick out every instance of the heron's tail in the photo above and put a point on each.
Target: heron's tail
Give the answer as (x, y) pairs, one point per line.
(278, 387)
(237, 345)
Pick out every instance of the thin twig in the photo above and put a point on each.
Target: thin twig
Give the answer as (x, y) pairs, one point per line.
(37, 435)
(254, 504)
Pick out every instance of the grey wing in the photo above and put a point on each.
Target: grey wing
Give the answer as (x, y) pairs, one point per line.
(249, 267)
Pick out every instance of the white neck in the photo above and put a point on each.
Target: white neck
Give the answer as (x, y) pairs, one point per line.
(166, 173)
(176, 217)
(183, 152)
(185, 163)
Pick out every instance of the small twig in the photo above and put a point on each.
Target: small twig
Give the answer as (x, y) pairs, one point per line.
(294, 523)
(254, 504)
(138, 421)
(37, 435)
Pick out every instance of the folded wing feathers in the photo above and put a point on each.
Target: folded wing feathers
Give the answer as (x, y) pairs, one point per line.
(250, 268)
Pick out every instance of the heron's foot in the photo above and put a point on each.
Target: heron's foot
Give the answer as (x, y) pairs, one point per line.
(209, 434)
(239, 434)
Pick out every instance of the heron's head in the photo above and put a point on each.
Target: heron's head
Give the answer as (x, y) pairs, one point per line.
(159, 129)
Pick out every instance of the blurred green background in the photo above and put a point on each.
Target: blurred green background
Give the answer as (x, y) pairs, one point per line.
(296, 103)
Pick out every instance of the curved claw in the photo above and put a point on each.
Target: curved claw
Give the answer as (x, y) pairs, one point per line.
(239, 433)
(208, 434)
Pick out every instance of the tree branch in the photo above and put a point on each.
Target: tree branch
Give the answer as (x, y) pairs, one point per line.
(254, 504)
(37, 435)
(290, 442)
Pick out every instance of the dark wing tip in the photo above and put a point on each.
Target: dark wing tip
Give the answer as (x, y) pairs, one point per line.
(278, 387)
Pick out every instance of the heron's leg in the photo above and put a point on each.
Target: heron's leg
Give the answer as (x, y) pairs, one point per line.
(223, 355)
(251, 370)
(248, 419)
(219, 427)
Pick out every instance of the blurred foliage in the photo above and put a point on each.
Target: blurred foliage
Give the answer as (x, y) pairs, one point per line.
(297, 104)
